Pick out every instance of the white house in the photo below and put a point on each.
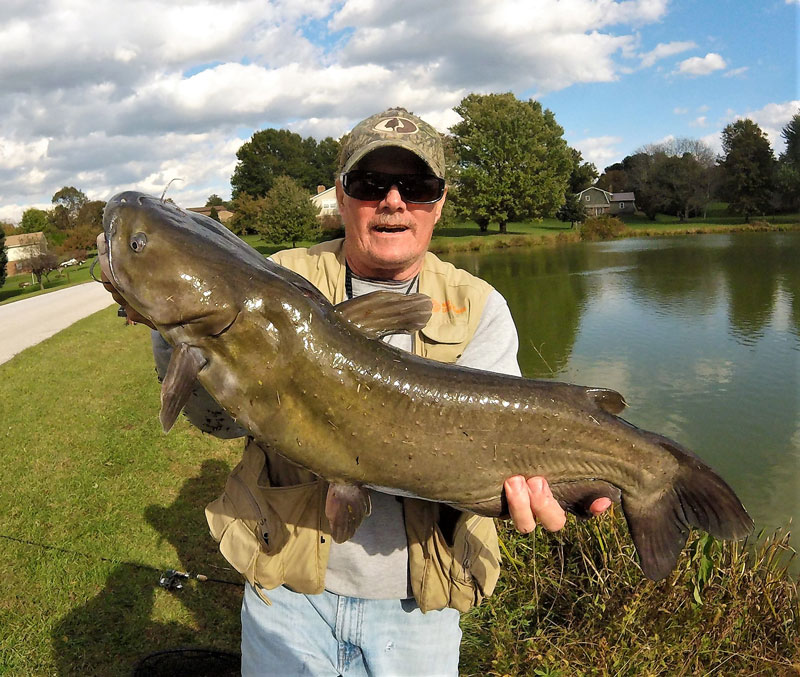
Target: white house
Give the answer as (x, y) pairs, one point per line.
(325, 199)
(22, 247)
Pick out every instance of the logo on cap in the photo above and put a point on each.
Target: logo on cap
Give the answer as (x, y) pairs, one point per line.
(396, 126)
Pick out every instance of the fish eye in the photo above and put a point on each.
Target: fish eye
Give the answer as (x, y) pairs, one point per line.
(138, 242)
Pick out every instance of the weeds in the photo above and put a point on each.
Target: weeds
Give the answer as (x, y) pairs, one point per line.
(577, 604)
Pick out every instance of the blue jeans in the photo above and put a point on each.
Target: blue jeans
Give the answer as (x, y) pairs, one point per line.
(329, 634)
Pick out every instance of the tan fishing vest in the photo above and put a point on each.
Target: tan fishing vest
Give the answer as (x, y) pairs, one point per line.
(270, 521)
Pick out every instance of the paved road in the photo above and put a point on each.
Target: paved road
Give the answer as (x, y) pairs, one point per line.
(25, 323)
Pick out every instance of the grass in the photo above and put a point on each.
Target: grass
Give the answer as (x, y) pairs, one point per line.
(97, 500)
(86, 470)
(19, 287)
(575, 603)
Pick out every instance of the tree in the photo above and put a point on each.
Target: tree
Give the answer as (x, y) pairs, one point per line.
(33, 221)
(91, 214)
(788, 178)
(249, 213)
(515, 162)
(583, 174)
(82, 237)
(572, 210)
(8, 228)
(3, 257)
(215, 200)
(70, 200)
(271, 153)
(41, 266)
(678, 184)
(748, 167)
(214, 214)
(290, 215)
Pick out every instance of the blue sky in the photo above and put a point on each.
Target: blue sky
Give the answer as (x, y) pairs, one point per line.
(131, 95)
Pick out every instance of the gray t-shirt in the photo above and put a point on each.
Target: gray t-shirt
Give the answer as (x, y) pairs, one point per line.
(373, 564)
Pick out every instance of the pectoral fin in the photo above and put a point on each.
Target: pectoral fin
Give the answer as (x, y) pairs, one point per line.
(385, 312)
(346, 506)
(179, 381)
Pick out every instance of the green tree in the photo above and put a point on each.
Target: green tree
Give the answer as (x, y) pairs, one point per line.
(249, 213)
(34, 221)
(70, 200)
(271, 153)
(788, 178)
(582, 174)
(215, 200)
(748, 168)
(3, 257)
(214, 214)
(572, 210)
(91, 215)
(678, 184)
(290, 215)
(515, 162)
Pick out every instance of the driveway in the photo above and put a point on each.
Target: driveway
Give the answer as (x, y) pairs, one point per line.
(25, 323)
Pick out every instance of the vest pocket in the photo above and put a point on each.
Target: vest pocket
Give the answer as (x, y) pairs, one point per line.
(272, 535)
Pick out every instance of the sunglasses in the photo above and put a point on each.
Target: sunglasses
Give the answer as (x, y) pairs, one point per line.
(371, 186)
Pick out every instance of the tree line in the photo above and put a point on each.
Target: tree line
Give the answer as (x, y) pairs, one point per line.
(507, 160)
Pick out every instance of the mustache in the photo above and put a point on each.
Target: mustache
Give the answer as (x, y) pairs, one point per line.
(392, 220)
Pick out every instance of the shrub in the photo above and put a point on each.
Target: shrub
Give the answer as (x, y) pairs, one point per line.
(601, 228)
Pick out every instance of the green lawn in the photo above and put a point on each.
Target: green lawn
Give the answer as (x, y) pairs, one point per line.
(86, 469)
(19, 287)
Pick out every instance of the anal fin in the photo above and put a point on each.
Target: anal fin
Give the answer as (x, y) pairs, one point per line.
(346, 506)
(179, 381)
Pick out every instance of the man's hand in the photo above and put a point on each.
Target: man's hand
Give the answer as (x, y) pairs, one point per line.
(531, 500)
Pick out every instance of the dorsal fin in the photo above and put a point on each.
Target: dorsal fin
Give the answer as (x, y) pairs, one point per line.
(608, 400)
(384, 312)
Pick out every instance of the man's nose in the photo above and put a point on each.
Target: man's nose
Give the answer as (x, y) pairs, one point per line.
(393, 201)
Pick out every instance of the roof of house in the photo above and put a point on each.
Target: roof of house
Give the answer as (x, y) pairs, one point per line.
(24, 240)
(325, 194)
(622, 197)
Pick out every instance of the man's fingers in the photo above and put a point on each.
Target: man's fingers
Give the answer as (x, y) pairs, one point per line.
(519, 504)
(546, 508)
(531, 501)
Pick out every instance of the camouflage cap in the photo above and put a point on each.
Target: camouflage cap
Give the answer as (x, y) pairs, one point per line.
(393, 127)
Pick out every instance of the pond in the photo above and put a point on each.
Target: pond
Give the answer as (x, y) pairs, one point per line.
(701, 334)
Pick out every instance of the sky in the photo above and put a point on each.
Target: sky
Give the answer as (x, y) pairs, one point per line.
(109, 96)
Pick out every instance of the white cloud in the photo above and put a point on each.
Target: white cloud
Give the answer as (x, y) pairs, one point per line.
(680, 111)
(663, 50)
(736, 72)
(699, 122)
(599, 149)
(705, 65)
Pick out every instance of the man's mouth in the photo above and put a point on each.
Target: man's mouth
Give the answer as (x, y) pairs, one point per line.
(385, 228)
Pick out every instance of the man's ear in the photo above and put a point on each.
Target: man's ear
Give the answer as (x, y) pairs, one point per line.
(440, 205)
(339, 195)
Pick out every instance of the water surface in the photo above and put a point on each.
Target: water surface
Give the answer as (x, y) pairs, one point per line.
(701, 334)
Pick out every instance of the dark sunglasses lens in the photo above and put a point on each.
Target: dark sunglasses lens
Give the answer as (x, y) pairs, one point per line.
(374, 186)
(421, 188)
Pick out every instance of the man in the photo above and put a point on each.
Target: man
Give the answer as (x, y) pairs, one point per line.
(387, 601)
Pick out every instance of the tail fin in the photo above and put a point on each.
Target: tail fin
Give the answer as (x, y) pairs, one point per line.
(698, 498)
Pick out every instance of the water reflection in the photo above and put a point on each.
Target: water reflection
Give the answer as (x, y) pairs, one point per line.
(701, 334)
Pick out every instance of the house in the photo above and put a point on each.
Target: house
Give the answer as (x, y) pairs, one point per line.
(325, 199)
(224, 213)
(597, 201)
(20, 248)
